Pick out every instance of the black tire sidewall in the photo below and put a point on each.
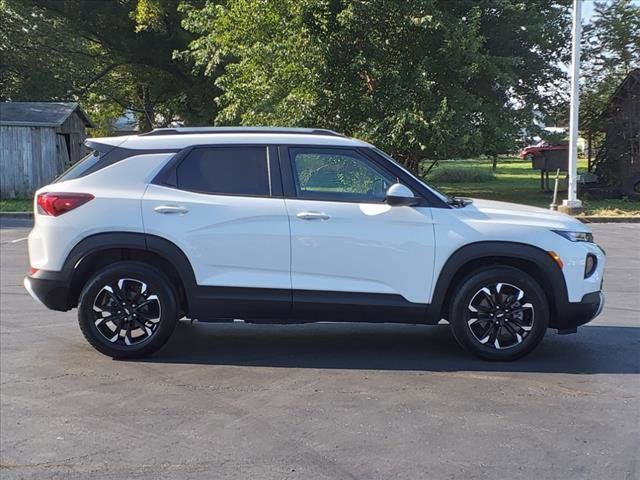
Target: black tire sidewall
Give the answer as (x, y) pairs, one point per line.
(474, 282)
(156, 281)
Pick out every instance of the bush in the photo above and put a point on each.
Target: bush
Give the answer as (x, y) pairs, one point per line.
(460, 175)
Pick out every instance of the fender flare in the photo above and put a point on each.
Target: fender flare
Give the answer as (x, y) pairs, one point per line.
(132, 240)
(546, 268)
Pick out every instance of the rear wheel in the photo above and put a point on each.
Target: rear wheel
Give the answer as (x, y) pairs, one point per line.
(127, 310)
(499, 314)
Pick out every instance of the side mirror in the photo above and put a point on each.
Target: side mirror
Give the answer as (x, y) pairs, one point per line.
(398, 196)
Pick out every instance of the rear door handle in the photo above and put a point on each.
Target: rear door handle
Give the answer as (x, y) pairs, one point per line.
(313, 216)
(171, 209)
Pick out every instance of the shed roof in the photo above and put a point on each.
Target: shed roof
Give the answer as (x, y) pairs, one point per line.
(40, 114)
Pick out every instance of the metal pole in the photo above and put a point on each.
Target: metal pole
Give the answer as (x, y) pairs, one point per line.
(572, 204)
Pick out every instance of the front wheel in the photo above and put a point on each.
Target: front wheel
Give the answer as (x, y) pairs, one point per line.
(127, 310)
(499, 314)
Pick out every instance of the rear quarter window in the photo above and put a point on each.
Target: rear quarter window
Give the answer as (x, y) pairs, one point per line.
(80, 168)
(102, 157)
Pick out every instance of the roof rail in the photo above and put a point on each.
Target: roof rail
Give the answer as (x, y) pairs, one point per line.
(214, 130)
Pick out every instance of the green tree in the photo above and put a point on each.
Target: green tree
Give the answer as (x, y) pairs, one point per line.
(39, 59)
(422, 79)
(112, 56)
(611, 49)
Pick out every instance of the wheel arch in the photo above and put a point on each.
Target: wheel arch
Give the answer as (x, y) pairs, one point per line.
(99, 250)
(472, 257)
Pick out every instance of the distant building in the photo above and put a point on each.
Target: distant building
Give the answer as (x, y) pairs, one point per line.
(126, 124)
(38, 141)
(617, 162)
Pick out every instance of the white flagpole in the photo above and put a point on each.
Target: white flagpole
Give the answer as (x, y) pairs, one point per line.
(572, 204)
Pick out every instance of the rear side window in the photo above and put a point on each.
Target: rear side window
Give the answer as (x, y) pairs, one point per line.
(225, 171)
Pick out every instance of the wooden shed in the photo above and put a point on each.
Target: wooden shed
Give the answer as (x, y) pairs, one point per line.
(617, 162)
(38, 141)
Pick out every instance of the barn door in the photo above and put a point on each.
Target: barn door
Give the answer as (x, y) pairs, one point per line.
(62, 147)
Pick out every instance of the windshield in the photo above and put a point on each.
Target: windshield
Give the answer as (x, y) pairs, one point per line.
(436, 192)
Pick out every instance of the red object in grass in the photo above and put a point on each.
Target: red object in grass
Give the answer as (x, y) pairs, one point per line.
(528, 153)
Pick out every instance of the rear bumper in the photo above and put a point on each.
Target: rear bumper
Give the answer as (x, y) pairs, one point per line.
(571, 315)
(48, 288)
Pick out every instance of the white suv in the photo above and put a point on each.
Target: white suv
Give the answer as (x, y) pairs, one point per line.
(296, 225)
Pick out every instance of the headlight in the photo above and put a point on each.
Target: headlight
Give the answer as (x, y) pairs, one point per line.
(575, 236)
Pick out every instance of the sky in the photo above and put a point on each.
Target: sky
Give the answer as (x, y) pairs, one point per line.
(588, 9)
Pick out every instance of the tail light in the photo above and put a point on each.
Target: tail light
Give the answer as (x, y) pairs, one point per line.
(55, 203)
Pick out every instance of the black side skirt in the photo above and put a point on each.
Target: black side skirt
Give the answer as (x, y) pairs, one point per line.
(263, 305)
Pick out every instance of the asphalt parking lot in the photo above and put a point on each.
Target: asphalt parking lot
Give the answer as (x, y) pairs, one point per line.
(321, 401)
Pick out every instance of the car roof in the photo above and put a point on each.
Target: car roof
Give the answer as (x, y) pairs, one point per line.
(178, 138)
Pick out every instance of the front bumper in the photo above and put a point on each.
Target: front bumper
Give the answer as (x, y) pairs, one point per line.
(570, 315)
(50, 289)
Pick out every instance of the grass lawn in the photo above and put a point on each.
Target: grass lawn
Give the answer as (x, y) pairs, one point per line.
(515, 181)
(16, 205)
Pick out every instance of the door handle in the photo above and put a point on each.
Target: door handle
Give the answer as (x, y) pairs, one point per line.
(313, 216)
(171, 209)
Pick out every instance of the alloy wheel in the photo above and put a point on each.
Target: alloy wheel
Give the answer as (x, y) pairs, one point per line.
(126, 312)
(500, 316)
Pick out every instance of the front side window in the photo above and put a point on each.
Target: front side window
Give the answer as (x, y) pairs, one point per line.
(225, 171)
(339, 175)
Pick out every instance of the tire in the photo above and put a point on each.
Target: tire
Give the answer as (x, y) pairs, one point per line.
(128, 310)
(511, 313)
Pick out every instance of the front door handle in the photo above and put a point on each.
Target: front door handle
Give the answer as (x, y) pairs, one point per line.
(313, 216)
(171, 209)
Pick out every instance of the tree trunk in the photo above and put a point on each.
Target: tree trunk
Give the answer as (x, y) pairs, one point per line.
(145, 118)
(589, 151)
(494, 165)
(413, 165)
(409, 162)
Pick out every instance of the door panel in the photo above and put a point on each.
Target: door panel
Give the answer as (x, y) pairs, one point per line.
(345, 238)
(231, 241)
(360, 247)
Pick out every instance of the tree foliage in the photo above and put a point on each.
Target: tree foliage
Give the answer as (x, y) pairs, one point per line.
(611, 49)
(423, 79)
(112, 56)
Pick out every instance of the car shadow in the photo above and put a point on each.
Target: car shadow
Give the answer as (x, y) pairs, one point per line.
(594, 349)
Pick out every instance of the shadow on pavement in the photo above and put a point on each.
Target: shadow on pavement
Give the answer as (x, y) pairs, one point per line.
(595, 349)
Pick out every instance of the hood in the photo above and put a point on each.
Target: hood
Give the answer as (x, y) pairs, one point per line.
(517, 214)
